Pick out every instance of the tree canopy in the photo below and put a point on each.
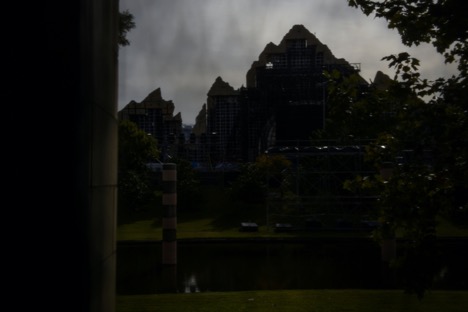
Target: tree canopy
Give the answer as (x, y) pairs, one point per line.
(126, 23)
(441, 23)
(420, 129)
(136, 149)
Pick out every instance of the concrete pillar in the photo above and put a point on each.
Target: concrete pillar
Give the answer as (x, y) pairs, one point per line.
(99, 51)
(75, 47)
(97, 151)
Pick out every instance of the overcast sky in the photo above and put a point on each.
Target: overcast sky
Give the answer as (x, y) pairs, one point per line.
(181, 46)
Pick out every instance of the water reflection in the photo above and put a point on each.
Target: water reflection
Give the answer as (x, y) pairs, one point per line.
(268, 266)
(191, 284)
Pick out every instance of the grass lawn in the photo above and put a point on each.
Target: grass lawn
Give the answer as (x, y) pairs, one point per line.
(216, 216)
(203, 227)
(298, 300)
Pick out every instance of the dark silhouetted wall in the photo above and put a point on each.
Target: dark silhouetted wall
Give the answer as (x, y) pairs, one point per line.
(80, 98)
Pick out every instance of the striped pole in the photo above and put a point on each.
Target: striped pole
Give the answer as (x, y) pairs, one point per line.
(169, 226)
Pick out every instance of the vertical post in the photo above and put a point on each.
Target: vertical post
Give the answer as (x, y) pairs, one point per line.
(388, 244)
(169, 226)
(323, 107)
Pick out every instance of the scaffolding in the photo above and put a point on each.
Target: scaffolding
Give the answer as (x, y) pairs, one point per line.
(316, 190)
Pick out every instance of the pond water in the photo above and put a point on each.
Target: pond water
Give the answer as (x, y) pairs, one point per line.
(238, 266)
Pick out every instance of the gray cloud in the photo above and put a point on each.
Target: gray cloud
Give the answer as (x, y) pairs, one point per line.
(181, 46)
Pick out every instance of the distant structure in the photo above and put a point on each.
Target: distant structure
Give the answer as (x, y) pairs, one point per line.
(223, 111)
(277, 112)
(282, 104)
(155, 116)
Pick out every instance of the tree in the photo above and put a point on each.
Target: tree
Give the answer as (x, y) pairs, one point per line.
(357, 110)
(126, 23)
(136, 149)
(256, 179)
(427, 141)
(189, 196)
(439, 22)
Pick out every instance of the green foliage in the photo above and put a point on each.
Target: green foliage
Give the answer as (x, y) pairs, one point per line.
(136, 148)
(436, 130)
(357, 110)
(189, 196)
(427, 141)
(250, 186)
(273, 168)
(135, 189)
(126, 23)
(441, 23)
(257, 178)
